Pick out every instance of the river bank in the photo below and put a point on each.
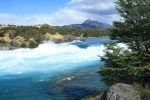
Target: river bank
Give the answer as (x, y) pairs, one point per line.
(52, 71)
(20, 42)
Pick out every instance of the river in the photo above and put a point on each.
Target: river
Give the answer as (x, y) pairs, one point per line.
(64, 71)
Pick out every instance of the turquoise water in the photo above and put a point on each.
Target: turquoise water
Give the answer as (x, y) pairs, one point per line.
(65, 71)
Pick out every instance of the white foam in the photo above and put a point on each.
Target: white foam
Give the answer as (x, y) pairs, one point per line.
(48, 57)
(123, 46)
(68, 78)
(75, 41)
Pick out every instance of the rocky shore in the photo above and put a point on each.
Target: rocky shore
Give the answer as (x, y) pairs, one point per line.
(8, 43)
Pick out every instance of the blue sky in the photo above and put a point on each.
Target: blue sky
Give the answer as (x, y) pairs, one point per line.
(30, 7)
(56, 12)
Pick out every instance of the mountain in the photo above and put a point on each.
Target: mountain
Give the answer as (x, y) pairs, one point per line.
(96, 24)
(90, 24)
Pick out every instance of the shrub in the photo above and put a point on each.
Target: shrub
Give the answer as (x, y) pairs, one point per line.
(32, 44)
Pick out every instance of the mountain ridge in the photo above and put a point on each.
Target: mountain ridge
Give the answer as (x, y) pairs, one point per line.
(90, 24)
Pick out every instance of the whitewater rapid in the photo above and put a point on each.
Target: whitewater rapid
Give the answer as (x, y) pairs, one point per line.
(64, 71)
(48, 57)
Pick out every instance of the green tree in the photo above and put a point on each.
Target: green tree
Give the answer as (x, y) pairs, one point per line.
(116, 65)
(133, 30)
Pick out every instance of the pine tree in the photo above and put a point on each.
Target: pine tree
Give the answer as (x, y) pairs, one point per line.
(133, 30)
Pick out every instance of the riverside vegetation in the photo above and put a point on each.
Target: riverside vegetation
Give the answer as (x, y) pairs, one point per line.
(131, 66)
(12, 36)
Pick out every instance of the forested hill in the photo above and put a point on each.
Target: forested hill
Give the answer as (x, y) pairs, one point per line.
(30, 36)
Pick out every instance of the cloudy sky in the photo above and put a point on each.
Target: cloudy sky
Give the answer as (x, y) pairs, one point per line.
(56, 12)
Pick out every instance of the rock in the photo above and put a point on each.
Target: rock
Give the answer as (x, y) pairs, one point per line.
(14, 43)
(5, 39)
(47, 36)
(68, 38)
(17, 41)
(32, 39)
(121, 91)
(5, 42)
(57, 37)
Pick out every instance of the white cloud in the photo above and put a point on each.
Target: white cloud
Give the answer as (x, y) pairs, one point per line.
(92, 4)
(76, 11)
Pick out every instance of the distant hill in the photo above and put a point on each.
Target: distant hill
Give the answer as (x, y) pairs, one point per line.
(90, 24)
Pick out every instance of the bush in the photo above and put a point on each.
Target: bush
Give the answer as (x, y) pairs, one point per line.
(32, 44)
(23, 45)
(144, 92)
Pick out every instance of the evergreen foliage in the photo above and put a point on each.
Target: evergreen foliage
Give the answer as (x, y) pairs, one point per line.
(133, 30)
(36, 33)
(144, 92)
